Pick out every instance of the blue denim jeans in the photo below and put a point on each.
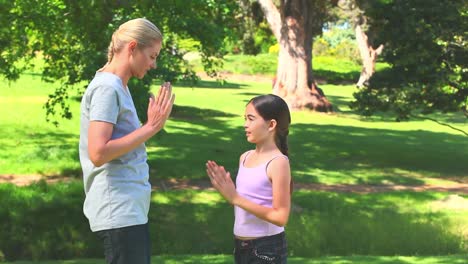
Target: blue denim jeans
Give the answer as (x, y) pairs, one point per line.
(270, 249)
(127, 245)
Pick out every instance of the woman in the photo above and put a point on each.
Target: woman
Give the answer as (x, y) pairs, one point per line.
(112, 150)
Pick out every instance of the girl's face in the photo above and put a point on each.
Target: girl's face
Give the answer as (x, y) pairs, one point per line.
(256, 128)
(144, 59)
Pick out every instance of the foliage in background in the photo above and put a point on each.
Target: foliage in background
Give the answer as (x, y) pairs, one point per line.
(337, 41)
(426, 46)
(73, 36)
(252, 35)
(264, 64)
(264, 39)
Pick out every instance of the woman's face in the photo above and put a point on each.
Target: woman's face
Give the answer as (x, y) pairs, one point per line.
(144, 59)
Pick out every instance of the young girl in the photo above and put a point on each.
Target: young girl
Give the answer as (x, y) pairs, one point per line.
(112, 150)
(262, 198)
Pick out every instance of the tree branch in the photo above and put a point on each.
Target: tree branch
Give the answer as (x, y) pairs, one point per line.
(272, 16)
(441, 123)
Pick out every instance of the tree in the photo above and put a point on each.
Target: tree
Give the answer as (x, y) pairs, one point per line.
(426, 47)
(72, 38)
(348, 9)
(247, 29)
(253, 31)
(294, 24)
(367, 52)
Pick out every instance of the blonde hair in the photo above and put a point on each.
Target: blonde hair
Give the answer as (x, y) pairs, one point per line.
(140, 29)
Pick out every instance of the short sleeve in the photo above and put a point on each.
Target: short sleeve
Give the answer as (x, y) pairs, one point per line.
(104, 105)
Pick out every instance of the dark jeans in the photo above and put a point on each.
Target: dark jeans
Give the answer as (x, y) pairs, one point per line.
(270, 249)
(127, 245)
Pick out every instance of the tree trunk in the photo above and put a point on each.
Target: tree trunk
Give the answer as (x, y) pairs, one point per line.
(368, 56)
(294, 79)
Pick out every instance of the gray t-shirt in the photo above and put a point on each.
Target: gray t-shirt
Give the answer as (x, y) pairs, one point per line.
(117, 193)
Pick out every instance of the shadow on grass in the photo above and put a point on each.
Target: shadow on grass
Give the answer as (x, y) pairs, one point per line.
(332, 77)
(346, 148)
(251, 95)
(352, 224)
(339, 103)
(338, 153)
(186, 150)
(321, 224)
(42, 151)
(456, 119)
(184, 226)
(181, 112)
(210, 84)
(46, 222)
(323, 227)
(228, 259)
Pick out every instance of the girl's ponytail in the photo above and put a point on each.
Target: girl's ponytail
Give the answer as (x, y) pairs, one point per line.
(282, 141)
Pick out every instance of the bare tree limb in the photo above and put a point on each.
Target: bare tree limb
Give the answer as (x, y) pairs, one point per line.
(273, 17)
(441, 123)
(368, 56)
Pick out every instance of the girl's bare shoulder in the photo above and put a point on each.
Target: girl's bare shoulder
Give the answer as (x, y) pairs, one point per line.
(243, 155)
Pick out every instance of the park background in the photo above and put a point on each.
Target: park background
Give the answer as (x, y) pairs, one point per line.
(380, 179)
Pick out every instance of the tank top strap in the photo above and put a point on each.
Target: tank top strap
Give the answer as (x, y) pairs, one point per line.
(275, 157)
(245, 157)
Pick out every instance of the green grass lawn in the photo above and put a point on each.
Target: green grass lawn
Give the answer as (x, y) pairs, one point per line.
(321, 223)
(222, 259)
(381, 223)
(337, 148)
(342, 147)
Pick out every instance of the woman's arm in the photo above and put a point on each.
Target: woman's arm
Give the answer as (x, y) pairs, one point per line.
(102, 149)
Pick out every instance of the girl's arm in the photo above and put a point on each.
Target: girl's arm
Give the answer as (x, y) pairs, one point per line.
(279, 172)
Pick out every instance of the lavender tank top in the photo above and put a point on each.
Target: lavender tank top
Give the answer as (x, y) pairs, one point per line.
(254, 185)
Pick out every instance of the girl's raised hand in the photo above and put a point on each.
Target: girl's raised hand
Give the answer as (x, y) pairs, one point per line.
(221, 181)
(160, 108)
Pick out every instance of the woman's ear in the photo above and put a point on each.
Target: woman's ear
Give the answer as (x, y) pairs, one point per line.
(132, 46)
(272, 125)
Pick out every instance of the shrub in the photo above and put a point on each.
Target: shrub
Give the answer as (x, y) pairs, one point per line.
(274, 49)
(320, 47)
(348, 49)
